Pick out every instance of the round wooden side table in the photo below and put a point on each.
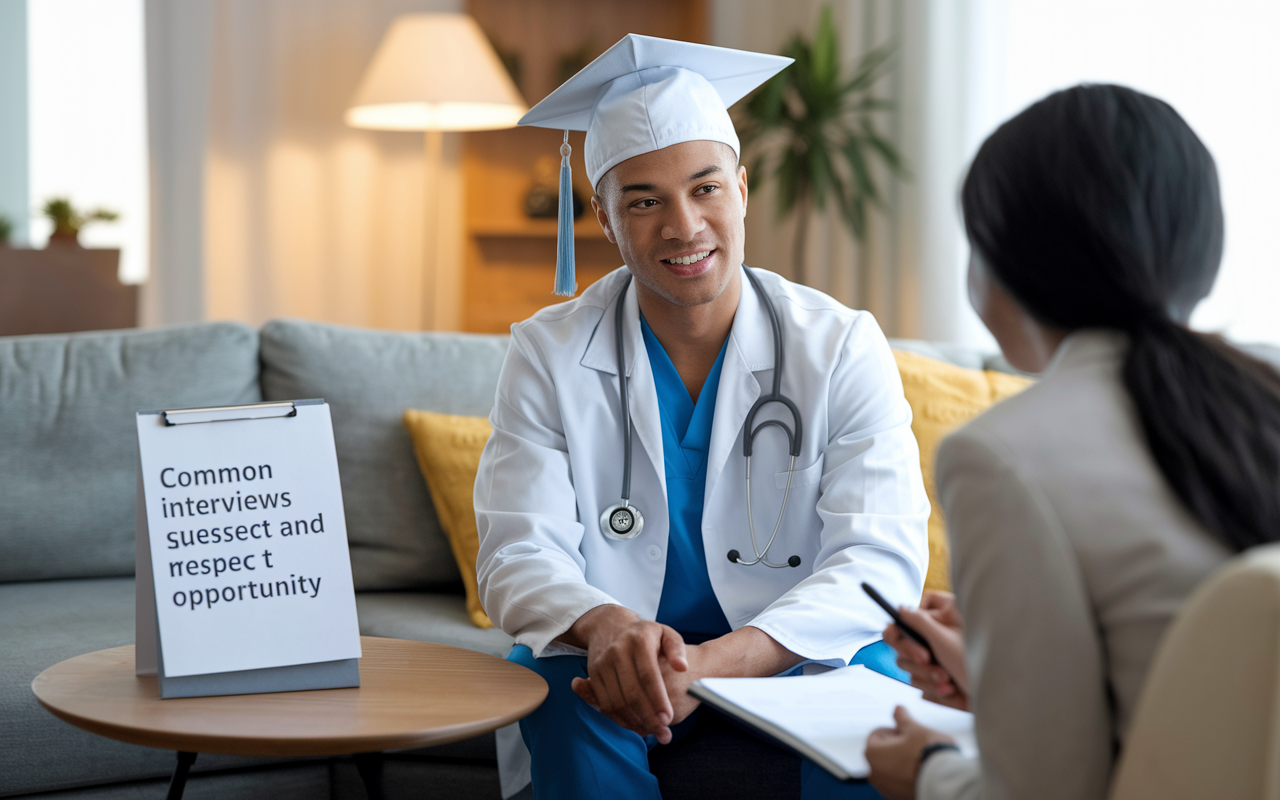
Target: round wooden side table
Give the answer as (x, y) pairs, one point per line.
(411, 694)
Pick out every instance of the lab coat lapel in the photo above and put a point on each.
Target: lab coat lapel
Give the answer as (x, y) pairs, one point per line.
(601, 354)
(750, 349)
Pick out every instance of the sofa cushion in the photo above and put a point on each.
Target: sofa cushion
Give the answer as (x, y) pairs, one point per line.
(427, 617)
(68, 465)
(369, 378)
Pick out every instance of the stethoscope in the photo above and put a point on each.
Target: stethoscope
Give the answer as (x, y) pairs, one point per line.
(623, 521)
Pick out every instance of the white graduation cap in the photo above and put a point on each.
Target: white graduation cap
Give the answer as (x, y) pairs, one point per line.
(641, 95)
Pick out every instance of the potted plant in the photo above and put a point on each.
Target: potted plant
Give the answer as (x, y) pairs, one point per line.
(68, 220)
(812, 130)
(6, 230)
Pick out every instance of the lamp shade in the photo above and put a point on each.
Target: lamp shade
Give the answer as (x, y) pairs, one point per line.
(435, 72)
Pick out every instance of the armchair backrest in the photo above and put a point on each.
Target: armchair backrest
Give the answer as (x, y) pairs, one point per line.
(1208, 721)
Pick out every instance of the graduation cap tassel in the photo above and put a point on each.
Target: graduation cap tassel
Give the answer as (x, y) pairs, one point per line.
(566, 284)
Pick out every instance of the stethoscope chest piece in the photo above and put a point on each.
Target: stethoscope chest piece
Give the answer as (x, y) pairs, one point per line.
(621, 522)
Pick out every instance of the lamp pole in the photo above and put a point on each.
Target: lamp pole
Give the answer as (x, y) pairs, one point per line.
(440, 283)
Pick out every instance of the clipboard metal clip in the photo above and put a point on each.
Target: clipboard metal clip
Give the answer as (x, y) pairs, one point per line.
(189, 416)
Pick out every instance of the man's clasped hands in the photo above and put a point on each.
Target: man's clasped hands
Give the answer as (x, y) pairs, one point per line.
(640, 671)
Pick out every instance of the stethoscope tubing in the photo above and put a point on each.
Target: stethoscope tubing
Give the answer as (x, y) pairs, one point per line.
(626, 403)
(751, 527)
(793, 433)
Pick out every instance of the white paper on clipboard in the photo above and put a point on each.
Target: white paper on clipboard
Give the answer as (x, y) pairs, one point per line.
(242, 546)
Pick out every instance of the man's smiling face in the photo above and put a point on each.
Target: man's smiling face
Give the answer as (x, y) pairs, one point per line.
(676, 215)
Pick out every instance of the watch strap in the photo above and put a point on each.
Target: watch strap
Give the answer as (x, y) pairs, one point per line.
(936, 747)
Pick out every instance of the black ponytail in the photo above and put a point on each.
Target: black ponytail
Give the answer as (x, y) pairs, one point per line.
(1098, 207)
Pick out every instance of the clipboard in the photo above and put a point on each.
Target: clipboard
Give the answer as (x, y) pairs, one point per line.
(243, 571)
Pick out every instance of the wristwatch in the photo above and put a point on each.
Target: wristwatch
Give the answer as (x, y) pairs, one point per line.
(936, 747)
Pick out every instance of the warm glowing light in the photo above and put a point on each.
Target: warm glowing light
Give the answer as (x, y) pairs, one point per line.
(434, 116)
(435, 72)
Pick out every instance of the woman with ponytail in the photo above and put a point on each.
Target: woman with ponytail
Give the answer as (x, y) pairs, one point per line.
(1084, 511)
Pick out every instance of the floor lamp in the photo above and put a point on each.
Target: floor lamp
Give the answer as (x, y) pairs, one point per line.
(436, 73)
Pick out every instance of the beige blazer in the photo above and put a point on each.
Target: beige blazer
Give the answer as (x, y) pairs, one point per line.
(1071, 555)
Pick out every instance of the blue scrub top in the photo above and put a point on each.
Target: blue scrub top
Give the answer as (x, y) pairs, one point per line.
(688, 602)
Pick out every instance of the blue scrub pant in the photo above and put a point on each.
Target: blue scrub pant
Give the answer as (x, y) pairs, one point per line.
(577, 752)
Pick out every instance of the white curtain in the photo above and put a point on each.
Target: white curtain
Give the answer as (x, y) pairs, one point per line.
(909, 269)
(265, 203)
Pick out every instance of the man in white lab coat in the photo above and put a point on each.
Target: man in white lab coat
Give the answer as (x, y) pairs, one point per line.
(695, 578)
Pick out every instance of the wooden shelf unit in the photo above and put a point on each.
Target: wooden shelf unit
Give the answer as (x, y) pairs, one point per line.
(586, 227)
(62, 289)
(509, 259)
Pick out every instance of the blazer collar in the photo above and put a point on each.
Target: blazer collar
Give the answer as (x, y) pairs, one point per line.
(1084, 348)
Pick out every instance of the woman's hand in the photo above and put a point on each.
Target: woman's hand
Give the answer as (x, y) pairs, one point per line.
(938, 621)
(894, 755)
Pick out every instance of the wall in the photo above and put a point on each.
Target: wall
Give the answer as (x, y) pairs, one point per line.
(178, 65)
(14, 150)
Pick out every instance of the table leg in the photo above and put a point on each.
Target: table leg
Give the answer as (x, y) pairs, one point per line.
(369, 765)
(178, 783)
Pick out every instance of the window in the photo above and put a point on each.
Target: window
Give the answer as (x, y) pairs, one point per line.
(87, 120)
(1218, 64)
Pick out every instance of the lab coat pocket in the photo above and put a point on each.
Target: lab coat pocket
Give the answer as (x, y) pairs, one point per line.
(808, 476)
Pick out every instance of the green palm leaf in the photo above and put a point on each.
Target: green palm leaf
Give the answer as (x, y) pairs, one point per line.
(812, 130)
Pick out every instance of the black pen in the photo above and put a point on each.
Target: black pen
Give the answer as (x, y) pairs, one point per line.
(897, 619)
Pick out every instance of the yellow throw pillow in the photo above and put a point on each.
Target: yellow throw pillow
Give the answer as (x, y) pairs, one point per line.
(448, 449)
(943, 397)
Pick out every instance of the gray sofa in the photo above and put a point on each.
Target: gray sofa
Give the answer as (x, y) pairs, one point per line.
(67, 483)
(67, 486)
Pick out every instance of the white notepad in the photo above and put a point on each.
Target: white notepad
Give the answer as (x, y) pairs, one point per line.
(828, 717)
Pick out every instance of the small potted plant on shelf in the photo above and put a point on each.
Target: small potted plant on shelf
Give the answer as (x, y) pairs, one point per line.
(68, 220)
(6, 230)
